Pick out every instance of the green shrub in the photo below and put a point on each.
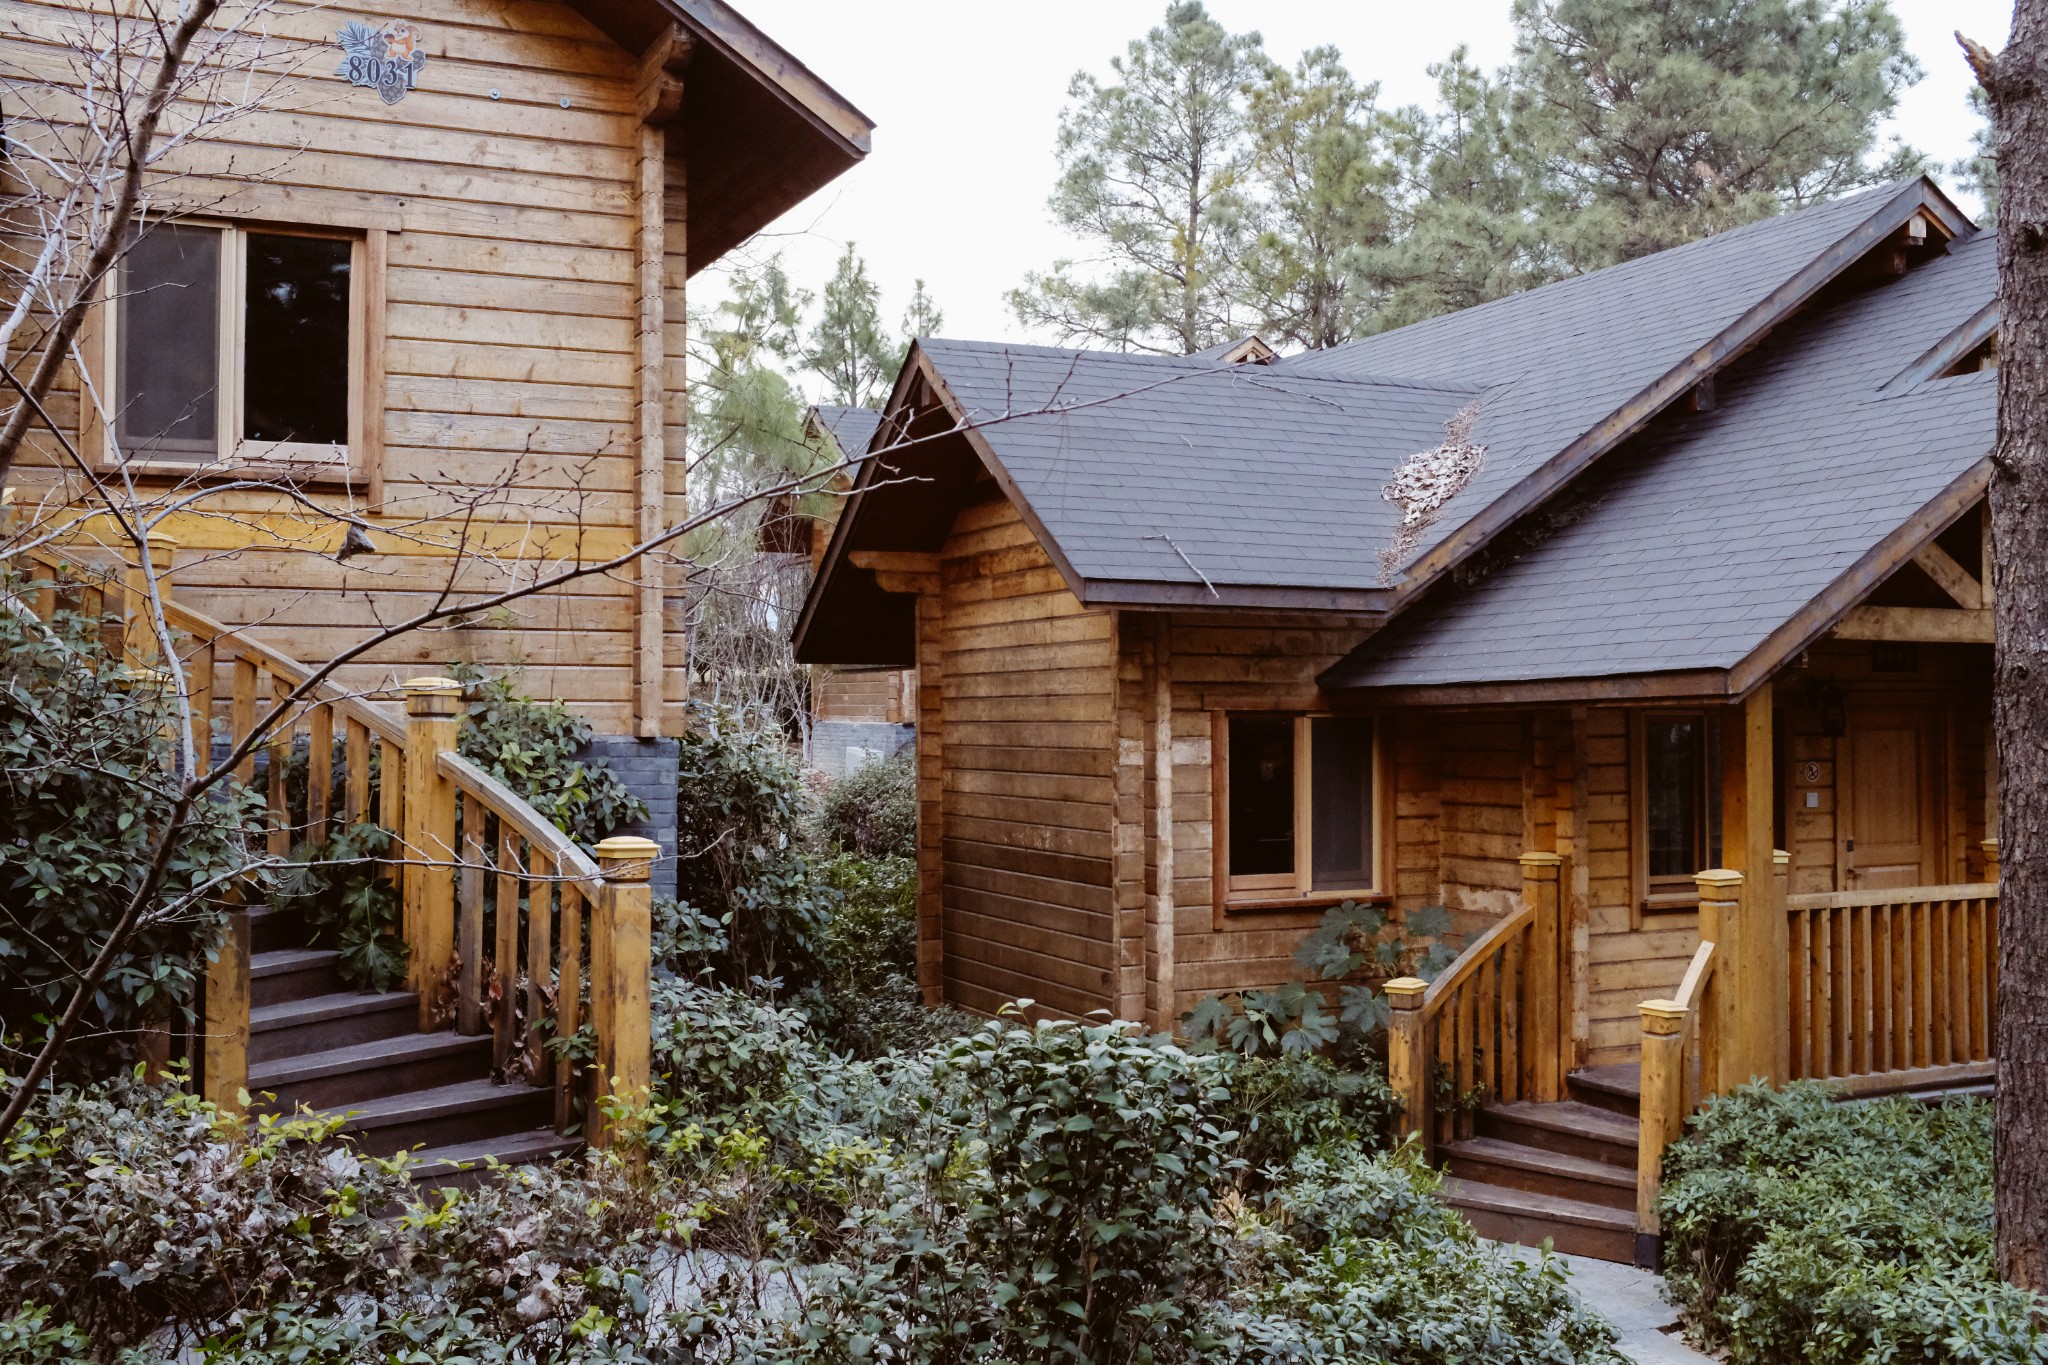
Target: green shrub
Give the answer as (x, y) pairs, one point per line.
(348, 901)
(532, 747)
(741, 811)
(86, 791)
(1298, 1101)
(873, 809)
(1799, 1228)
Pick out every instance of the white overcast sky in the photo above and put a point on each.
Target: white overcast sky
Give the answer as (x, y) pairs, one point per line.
(966, 94)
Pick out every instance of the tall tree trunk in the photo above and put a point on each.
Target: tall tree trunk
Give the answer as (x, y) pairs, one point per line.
(2014, 79)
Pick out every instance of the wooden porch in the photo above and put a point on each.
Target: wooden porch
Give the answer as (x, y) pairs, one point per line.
(1876, 992)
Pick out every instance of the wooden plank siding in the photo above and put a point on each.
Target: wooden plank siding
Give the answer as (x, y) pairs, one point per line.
(504, 187)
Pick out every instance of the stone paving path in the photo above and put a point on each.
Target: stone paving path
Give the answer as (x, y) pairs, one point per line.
(1633, 1300)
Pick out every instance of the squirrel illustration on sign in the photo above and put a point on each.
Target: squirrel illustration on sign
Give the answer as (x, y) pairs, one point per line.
(387, 59)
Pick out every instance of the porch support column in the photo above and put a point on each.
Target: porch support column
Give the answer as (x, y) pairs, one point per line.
(1543, 1061)
(1755, 973)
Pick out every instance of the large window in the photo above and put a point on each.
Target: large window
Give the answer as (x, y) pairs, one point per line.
(236, 344)
(1300, 808)
(1678, 823)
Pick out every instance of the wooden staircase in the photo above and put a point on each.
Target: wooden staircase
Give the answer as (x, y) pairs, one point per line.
(1563, 1171)
(314, 1042)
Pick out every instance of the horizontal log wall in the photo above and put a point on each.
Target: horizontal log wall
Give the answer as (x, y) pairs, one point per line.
(1026, 686)
(505, 186)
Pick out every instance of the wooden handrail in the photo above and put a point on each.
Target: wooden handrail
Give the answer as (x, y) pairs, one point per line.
(1694, 983)
(1466, 964)
(500, 800)
(1898, 895)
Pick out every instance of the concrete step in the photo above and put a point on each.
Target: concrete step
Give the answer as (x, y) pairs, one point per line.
(1566, 1126)
(320, 1023)
(1531, 1219)
(1489, 1161)
(367, 1071)
(284, 974)
(447, 1116)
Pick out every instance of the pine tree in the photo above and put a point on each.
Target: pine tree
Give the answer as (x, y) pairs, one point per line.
(1656, 122)
(848, 348)
(1150, 172)
(1325, 187)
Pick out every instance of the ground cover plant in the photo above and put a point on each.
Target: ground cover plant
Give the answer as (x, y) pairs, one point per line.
(1798, 1228)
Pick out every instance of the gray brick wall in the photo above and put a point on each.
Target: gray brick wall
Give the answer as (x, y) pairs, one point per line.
(648, 767)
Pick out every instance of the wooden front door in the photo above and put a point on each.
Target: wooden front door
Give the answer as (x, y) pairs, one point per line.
(1891, 832)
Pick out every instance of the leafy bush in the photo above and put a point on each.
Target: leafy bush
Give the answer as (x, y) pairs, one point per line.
(85, 793)
(348, 901)
(532, 747)
(1294, 1102)
(741, 810)
(1798, 1228)
(864, 999)
(873, 809)
(1350, 939)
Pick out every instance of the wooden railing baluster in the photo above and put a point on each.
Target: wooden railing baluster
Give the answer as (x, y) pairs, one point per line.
(319, 770)
(540, 961)
(506, 957)
(469, 953)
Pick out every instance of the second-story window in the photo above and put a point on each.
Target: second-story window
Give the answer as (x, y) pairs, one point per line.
(236, 344)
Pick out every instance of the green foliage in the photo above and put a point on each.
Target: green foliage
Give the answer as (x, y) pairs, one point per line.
(741, 813)
(348, 901)
(532, 746)
(1294, 1018)
(86, 794)
(1150, 172)
(872, 810)
(864, 999)
(1301, 1101)
(848, 347)
(1798, 1228)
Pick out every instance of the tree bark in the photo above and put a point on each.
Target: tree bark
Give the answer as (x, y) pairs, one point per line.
(2019, 526)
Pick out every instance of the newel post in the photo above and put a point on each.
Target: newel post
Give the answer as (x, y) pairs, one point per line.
(224, 1040)
(1542, 1007)
(433, 714)
(138, 629)
(1663, 1117)
(1775, 1049)
(1407, 1057)
(620, 935)
(1721, 924)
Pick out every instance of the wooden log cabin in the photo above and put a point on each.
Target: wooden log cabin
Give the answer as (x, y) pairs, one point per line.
(431, 292)
(453, 309)
(1711, 598)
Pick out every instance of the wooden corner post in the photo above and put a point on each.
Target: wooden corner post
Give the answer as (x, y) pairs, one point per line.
(1407, 1054)
(1721, 924)
(1542, 981)
(1776, 1047)
(620, 935)
(224, 1045)
(1663, 1115)
(433, 715)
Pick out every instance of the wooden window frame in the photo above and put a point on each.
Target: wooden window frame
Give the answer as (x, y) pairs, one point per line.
(1647, 898)
(359, 465)
(1295, 891)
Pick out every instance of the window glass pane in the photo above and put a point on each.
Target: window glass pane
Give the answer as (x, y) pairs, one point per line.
(1340, 802)
(168, 337)
(1261, 795)
(1672, 778)
(295, 366)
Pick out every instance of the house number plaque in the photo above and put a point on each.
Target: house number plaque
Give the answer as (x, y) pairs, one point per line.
(386, 60)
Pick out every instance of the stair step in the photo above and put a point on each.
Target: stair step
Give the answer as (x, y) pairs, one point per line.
(284, 974)
(1489, 1161)
(1618, 1087)
(446, 1115)
(372, 1070)
(463, 1164)
(1528, 1218)
(320, 1023)
(1567, 1127)
(273, 930)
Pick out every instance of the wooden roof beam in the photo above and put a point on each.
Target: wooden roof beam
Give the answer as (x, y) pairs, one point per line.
(1916, 625)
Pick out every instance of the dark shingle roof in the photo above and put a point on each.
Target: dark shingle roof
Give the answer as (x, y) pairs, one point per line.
(1257, 477)
(1721, 525)
(850, 428)
(1271, 475)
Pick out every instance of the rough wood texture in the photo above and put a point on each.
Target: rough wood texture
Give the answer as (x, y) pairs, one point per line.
(433, 714)
(2019, 518)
